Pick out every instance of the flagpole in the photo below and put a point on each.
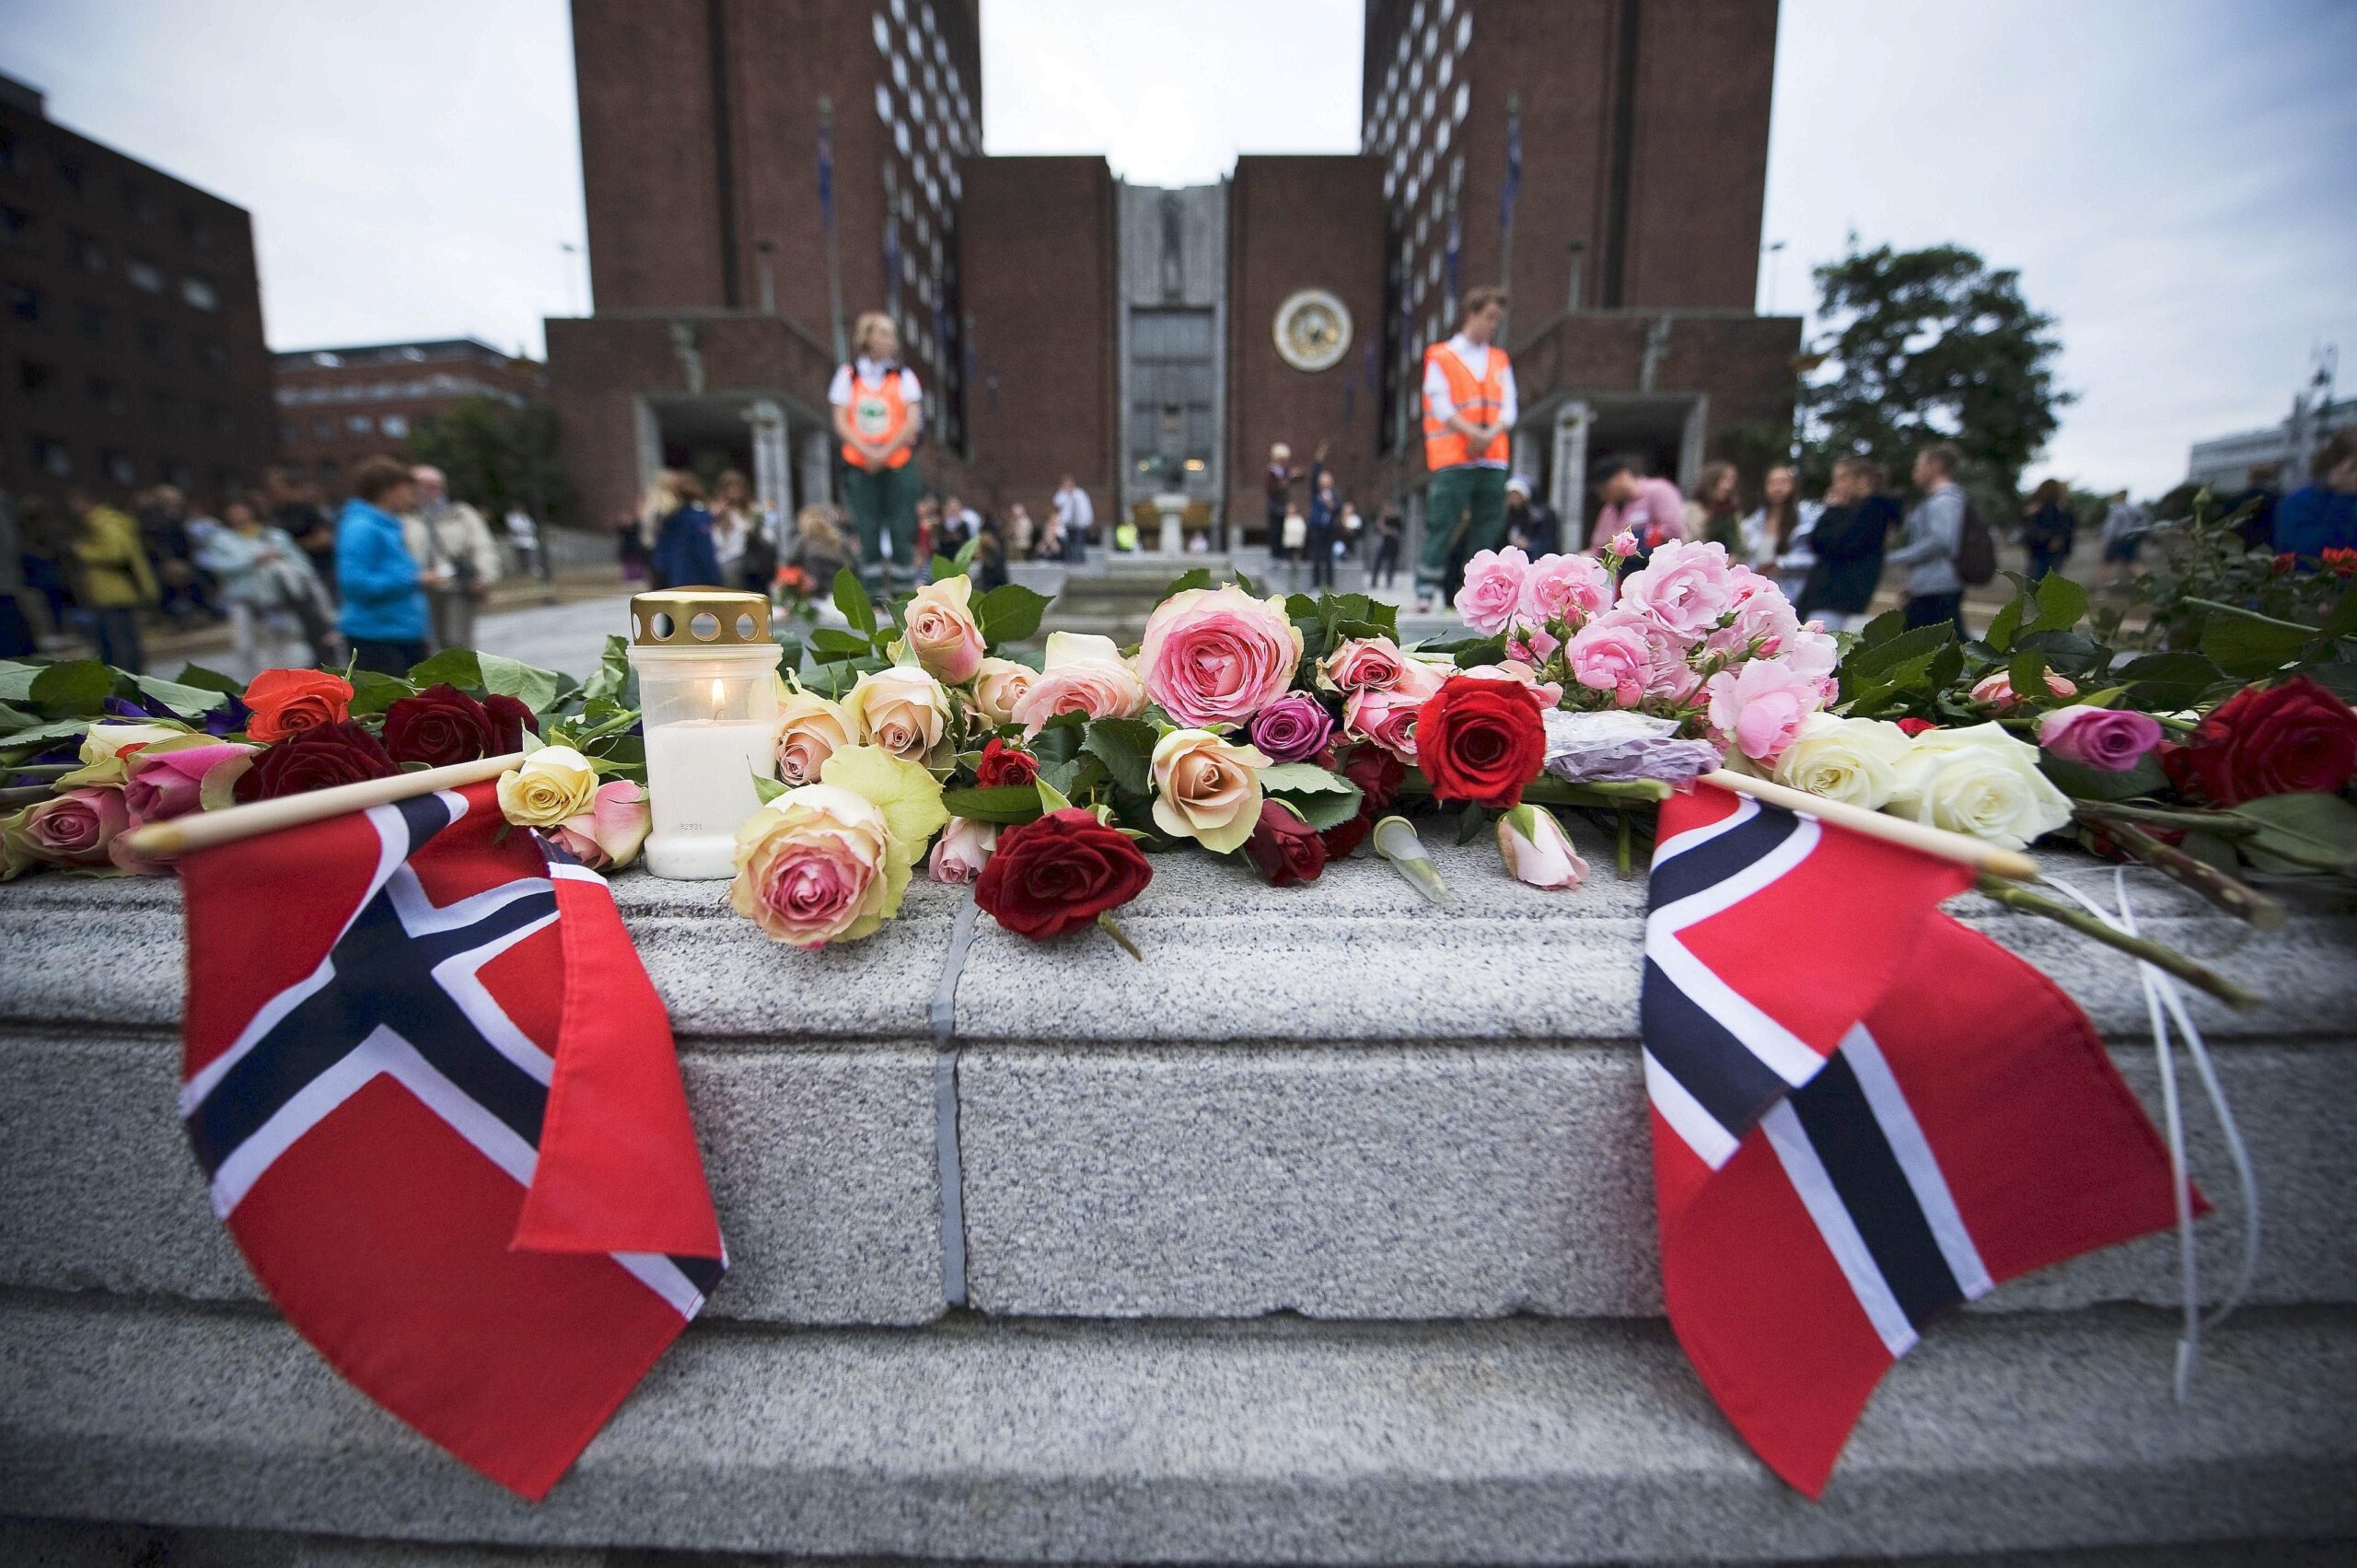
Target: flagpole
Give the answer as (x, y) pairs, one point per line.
(2011, 863)
(826, 221)
(1505, 211)
(208, 830)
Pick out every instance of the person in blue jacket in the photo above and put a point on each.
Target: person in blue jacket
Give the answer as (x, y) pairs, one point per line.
(2322, 515)
(383, 588)
(684, 553)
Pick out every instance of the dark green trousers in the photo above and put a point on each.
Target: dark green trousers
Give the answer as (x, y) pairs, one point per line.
(881, 499)
(1465, 512)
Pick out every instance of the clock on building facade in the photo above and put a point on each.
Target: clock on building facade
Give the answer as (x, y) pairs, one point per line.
(1313, 330)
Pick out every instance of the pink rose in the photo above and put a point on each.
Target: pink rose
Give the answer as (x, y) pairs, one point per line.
(816, 866)
(171, 783)
(999, 684)
(76, 828)
(1550, 693)
(1624, 544)
(1685, 586)
(1532, 646)
(1492, 590)
(1421, 677)
(1363, 664)
(1387, 718)
(961, 851)
(1216, 657)
(2110, 739)
(1997, 689)
(609, 834)
(1569, 589)
(942, 631)
(1610, 654)
(1761, 705)
(1082, 674)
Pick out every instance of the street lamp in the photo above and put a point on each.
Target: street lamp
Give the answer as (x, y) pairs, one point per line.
(573, 295)
(1775, 254)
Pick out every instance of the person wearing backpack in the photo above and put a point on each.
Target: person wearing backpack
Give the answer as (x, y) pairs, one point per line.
(1933, 539)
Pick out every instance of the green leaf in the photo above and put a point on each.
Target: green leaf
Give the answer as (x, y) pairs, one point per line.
(1470, 825)
(842, 643)
(504, 676)
(1303, 778)
(1059, 739)
(1126, 747)
(17, 681)
(1050, 797)
(1882, 628)
(2213, 850)
(455, 667)
(2027, 673)
(1006, 803)
(2315, 830)
(2249, 647)
(1200, 577)
(205, 679)
(73, 689)
(2006, 622)
(768, 788)
(1010, 614)
(852, 601)
(613, 675)
(2082, 783)
(186, 700)
(2175, 679)
(1250, 589)
(2060, 603)
(1884, 656)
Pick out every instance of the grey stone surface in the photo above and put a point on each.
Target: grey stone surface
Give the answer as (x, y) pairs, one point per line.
(821, 1163)
(1482, 1180)
(1519, 1442)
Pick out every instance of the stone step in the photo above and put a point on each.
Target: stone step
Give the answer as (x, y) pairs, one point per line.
(1260, 1118)
(1504, 1443)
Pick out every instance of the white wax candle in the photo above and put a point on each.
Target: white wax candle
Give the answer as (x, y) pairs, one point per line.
(700, 786)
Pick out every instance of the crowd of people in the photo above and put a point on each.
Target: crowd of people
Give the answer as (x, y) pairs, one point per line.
(270, 564)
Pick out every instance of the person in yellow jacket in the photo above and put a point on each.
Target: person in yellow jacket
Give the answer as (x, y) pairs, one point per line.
(1470, 414)
(116, 580)
(879, 414)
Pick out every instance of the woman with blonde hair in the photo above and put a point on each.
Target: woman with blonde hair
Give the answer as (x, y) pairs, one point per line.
(879, 414)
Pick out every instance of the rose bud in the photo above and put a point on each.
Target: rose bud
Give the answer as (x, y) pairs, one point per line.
(1537, 851)
(1284, 846)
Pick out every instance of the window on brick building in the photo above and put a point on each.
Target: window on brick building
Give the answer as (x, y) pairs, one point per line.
(16, 153)
(36, 379)
(52, 457)
(199, 293)
(197, 231)
(21, 300)
(154, 340)
(70, 175)
(322, 429)
(107, 395)
(118, 467)
(143, 274)
(89, 254)
(395, 425)
(15, 225)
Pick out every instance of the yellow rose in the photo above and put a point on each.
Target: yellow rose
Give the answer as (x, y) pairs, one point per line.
(999, 684)
(903, 710)
(1206, 789)
(810, 730)
(555, 783)
(103, 747)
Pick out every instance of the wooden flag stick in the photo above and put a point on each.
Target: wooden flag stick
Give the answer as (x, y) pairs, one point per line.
(205, 829)
(2011, 863)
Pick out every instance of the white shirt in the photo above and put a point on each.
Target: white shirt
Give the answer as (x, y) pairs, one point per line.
(871, 371)
(1475, 357)
(1074, 509)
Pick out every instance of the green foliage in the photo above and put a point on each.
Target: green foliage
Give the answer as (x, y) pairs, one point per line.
(2200, 558)
(490, 674)
(1928, 345)
(2312, 832)
(496, 456)
(852, 601)
(1126, 747)
(1197, 577)
(1005, 803)
(1009, 614)
(1324, 799)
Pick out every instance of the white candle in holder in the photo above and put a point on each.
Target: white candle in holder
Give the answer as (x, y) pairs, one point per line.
(707, 680)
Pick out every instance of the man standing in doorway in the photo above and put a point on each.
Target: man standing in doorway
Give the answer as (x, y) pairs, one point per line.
(879, 414)
(1076, 515)
(1469, 410)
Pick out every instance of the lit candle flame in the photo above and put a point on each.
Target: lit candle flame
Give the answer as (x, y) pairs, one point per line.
(719, 699)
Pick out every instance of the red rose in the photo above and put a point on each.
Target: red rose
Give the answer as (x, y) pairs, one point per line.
(438, 726)
(2288, 738)
(510, 717)
(285, 701)
(1481, 741)
(1061, 872)
(1285, 848)
(1344, 837)
(1378, 775)
(326, 754)
(1004, 764)
(1915, 726)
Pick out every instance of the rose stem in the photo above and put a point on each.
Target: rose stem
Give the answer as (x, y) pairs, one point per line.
(2236, 899)
(2160, 956)
(1627, 860)
(1113, 928)
(2225, 823)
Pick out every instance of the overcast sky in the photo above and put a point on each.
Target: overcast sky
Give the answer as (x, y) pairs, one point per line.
(2172, 178)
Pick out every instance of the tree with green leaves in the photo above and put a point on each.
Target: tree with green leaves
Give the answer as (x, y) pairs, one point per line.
(496, 455)
(1929, 345)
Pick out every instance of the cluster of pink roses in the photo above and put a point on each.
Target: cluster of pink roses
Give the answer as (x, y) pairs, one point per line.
(131, 775)
(1690, 635)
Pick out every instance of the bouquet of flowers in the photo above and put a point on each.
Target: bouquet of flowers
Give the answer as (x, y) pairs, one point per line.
(87, 752)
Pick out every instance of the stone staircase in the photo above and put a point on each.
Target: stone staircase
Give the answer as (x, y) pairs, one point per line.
(1323, 1235)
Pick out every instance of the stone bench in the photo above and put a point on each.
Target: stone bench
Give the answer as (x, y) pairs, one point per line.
(1314, 1139)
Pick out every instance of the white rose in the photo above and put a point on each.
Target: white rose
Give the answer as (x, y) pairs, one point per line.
(1855, 760)
(1537, 851)
(1979, 781)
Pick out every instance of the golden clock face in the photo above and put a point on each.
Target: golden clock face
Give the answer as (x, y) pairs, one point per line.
(1313, 330)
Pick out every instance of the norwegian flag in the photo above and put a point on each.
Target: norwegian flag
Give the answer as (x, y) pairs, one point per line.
(1863, 1114)
(436, 1096)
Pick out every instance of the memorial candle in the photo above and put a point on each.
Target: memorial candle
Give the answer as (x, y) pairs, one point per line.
(707, 677)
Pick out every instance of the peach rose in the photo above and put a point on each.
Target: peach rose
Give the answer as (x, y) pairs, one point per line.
(1081, 674)
(961, 851)
(902, 710)
(1216, 657)
(810, 730)
(1206, 789)
(1363, 664)
(814, 866)
(999, 684)
(942, 631)
(609, 834)
(1387, 718)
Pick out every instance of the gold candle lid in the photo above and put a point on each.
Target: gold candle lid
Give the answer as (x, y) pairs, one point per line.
(698, 618)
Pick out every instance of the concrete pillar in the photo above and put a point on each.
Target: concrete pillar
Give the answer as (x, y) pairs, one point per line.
(815, 452)
(1568, 495)
(773, 483)
(648, 432)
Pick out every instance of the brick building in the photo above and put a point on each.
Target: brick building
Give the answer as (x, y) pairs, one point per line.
(130, 339)
(338, 405)
(1146, 340)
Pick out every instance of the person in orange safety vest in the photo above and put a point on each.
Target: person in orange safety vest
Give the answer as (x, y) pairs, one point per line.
(879, 414)
(1469, 413)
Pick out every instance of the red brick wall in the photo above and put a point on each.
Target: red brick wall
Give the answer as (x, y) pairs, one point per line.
(642, 70)
(1297, 223)
(1044, 297)
(1705, 70)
